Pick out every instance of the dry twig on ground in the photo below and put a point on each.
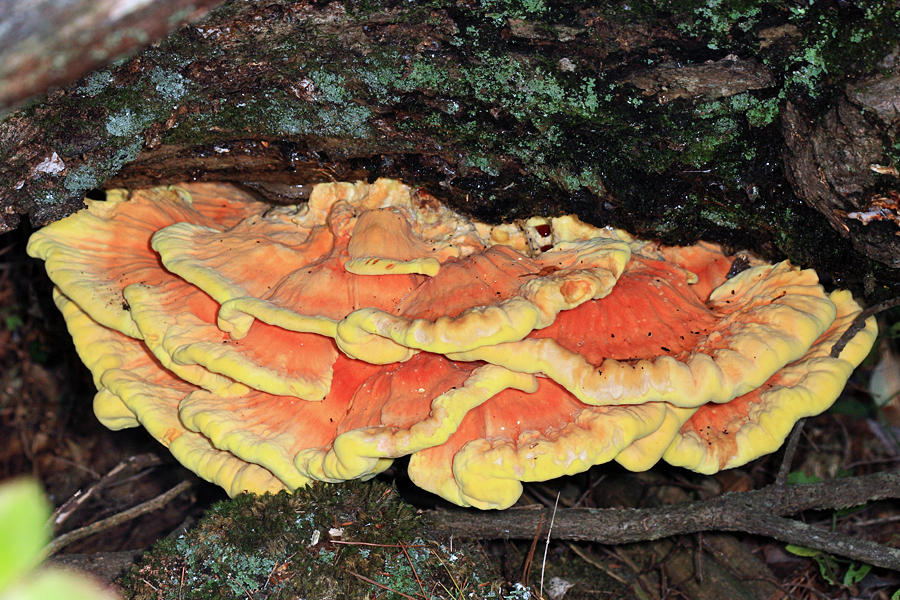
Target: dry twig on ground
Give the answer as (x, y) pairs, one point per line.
(150, 505)
(760, 512)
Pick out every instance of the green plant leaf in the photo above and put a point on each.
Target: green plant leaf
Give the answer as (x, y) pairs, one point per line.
(802, 551)
(828, 567)
(55, 584)
(799, 477)
(13, 322)
(894, 332)
(23, 516)
(855, 574)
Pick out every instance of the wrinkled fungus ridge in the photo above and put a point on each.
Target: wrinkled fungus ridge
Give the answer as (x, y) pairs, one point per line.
(269, 347)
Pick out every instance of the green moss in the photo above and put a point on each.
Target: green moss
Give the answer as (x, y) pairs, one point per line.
(278, 115)
(763, 112)
(324, 542)
(129, 110)
(501, 10)
(836, 39)
(328, 86)
(715, 20)
(892, 152)
(482, 163)
(720, 217)
(840, 41)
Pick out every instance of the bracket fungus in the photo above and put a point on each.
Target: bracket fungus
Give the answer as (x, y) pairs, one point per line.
(270, 346)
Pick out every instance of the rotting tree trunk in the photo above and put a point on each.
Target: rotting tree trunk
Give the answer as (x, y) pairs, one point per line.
(673, 124)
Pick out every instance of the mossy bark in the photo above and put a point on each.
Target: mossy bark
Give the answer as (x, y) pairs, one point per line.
(674, 120)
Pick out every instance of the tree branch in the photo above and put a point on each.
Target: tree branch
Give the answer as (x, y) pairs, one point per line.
(758, 512)
(132, 463)
(860, 321)
(159, 501)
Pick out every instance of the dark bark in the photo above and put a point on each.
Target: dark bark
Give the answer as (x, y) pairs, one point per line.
(758, 512)
(836, 162)
(726, 77)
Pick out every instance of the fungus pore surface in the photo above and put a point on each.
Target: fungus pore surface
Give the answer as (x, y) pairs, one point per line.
(269, 347)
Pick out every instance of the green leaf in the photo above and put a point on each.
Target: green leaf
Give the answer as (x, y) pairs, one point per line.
(828, 567)
(896, 595)
(799, 477)
(894, 332)
(54, 584)
(828, 564)
(23, 516)
(855, 574)
(13, 322)
(802, 550)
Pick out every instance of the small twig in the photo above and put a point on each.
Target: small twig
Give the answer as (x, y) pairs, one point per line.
(131, 478)
(886, 436)
(859, 322)
(871, 461)
(246, 591)
(588, 491)
(278, 563)
(547, 545)
(790, 449)
(413, 567)
(459, 589)
(698, 557)
(153, 587)
(534, 491)
(354, 543)
(596, 563)
(78, 466)
(381, 585)
(880, 521)
(530, 558)
(639, 584)
(68, 508)
(150, 505)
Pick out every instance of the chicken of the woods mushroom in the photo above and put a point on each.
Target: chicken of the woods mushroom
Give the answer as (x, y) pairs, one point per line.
(270, 346)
